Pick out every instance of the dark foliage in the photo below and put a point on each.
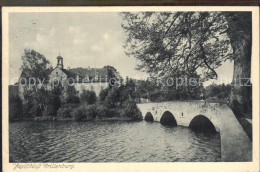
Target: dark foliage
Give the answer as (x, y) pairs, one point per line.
(103, 94)
(35, 65)
(42, 102)
(66, 110)
(113, 97)
(114, 77)
(88, 97)
(130, 110)
(15, 107)
(71, 95)
(217, 91)
(84, 112)
(182, 43)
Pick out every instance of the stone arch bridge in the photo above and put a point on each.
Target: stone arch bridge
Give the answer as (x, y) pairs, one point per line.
(235, 144)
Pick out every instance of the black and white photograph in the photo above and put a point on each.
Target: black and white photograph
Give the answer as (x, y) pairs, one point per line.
(130, 86)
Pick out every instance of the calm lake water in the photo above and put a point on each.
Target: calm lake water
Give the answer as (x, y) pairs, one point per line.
(109, 142)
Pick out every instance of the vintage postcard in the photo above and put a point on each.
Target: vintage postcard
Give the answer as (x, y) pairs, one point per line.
(130, 88)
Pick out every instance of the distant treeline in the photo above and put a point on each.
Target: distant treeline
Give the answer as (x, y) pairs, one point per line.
(217, 92)
(156, 93)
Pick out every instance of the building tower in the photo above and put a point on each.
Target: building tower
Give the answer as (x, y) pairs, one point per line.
(60, 62)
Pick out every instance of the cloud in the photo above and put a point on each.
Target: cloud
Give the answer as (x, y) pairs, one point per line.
(106, 36)
(53, 32)
(40, 38)
(74, 29)
(96, 48)
(77, 41)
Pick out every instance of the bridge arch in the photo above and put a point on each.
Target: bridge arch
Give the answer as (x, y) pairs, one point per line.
(149, 117)
(202, 124)
(168, 119)
(220, 115)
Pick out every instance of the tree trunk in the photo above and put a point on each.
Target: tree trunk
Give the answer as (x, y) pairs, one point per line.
(240, 33)
(241, 91)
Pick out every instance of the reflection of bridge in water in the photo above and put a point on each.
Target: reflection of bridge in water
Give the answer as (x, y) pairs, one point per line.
(235, 144)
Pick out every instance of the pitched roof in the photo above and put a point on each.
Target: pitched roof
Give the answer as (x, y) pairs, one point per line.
(82, 72)
(69, 73)
(87, 72)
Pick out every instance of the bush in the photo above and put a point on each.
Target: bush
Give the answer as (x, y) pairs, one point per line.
(113, 97)
(37, 108)
(71, 95)
(65, 111)
(49, 110)
(73, 100)
(55, 103)
(131, 110)
(88, 96)
(91, 111)
(44, 118)
(103, 111)
(41, 102)
(78, 114)
(84, 112)
(103, 94)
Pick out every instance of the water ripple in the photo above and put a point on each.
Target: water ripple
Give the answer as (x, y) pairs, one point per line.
(109, 142)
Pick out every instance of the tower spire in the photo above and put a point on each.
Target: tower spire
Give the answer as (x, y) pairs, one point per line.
(60, 62)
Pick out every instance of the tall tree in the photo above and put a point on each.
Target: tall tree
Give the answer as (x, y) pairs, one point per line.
(187, 43)
(35, 65)
(114, 76)
(35, 70)
(38, 100)
(240, 34)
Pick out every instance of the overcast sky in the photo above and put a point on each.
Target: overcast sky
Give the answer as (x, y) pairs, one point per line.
(83, 39)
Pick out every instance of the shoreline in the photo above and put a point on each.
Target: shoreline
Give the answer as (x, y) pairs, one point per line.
(72, 120)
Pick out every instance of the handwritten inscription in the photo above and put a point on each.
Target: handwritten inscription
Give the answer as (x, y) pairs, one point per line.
(45, 165)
